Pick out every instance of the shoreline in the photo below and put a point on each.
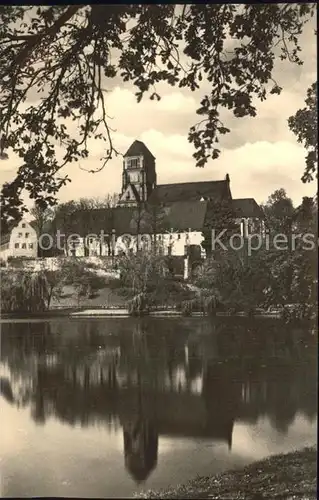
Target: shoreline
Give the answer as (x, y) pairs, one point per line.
(95, 312)
(285, 476)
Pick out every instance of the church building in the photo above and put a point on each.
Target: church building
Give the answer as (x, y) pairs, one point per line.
(172, 214)
(139, 182)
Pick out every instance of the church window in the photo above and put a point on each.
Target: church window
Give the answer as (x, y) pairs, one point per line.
(128, 196)
(133, 162)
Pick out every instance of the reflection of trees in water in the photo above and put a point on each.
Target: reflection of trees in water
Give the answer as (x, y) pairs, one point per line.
(89, 377)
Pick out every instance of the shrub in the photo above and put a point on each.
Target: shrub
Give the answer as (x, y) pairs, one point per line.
(138, 305)
(23, 291)
(187, 307)
(76, 273)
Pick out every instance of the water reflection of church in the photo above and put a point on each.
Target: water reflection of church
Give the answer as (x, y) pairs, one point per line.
(151, 387)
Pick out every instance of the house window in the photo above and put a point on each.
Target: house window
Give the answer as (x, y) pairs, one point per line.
(20, 235)
(24, 245)
(27, 235)
(16, 245)
(23, 225)
(30, 246)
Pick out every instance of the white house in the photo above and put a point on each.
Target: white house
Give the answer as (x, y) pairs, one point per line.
(21, 241)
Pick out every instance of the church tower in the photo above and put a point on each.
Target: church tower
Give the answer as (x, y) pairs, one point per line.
(139, 175)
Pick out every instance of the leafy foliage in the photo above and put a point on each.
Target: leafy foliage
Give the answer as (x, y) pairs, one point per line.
(138, 305)
(284, 277)
(146, 281)
(41, 217)
(279, 211)
(151, 219)
(54, 284)
(68, 54)
(237, 279)
(23, 291)
(304, 124)
(143, 272)
(293, 272)
(74, 272)
(220, 216)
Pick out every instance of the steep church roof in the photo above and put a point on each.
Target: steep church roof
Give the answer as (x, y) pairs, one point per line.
(138, 148)
(187, 215)
(247, 207)
(179, 216)
(192, 191)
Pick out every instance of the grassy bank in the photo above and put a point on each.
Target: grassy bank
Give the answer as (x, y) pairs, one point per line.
(290, 476)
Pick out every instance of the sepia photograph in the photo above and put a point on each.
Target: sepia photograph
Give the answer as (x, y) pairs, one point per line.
(159, 251)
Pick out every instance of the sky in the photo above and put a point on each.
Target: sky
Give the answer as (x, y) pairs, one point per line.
(260, 154)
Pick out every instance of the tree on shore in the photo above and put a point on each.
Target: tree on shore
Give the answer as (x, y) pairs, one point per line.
(42, 223)
(68, 54)
(220, 217)
(283, 274)
(279, 212)
(304, 124)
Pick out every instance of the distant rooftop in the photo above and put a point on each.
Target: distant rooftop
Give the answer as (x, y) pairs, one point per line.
(247, 207)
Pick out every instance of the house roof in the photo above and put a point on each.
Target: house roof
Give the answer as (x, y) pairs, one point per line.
(33, 224)
(138, 148)
(4, 239)
(5, 236)
(192, 191)
(247, 207)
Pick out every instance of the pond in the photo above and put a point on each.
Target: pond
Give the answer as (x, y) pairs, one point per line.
(110, 407)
